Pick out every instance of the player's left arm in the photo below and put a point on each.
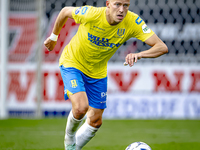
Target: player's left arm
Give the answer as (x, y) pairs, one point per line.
(158, 48)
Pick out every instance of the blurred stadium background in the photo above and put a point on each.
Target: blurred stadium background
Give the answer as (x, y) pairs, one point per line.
(164, 87)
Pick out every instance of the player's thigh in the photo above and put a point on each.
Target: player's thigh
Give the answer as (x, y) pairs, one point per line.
(74, 89)
(79, 102)
(94, 117)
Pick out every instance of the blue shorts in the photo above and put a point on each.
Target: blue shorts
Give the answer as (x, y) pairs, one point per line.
(76, 81)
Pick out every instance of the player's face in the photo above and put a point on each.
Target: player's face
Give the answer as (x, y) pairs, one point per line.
(116, 10)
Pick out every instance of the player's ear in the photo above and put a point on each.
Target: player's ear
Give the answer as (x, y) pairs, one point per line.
(108, 3)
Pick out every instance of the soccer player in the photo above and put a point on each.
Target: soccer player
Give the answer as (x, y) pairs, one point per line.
(83, 63)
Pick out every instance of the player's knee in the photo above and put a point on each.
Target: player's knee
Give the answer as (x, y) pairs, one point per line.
(94, 118)
(79, 112)
(96, 123)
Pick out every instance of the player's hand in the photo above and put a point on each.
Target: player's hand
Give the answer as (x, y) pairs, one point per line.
(49, 44)
(132, 58)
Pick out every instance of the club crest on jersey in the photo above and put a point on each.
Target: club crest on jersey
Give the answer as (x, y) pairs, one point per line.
(120, 32)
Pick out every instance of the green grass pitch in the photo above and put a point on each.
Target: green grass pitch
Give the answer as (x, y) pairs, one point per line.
(48, 134)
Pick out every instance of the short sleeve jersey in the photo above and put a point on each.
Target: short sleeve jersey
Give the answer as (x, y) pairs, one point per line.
(96, 40)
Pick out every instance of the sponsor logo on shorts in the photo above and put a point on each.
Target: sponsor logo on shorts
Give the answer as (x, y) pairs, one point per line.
(103, 94)
(77, 10)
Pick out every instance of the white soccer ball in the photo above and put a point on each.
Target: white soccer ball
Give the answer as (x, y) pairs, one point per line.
(138, 146)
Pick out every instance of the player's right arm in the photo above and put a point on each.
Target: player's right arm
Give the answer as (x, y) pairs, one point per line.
(64, 14)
